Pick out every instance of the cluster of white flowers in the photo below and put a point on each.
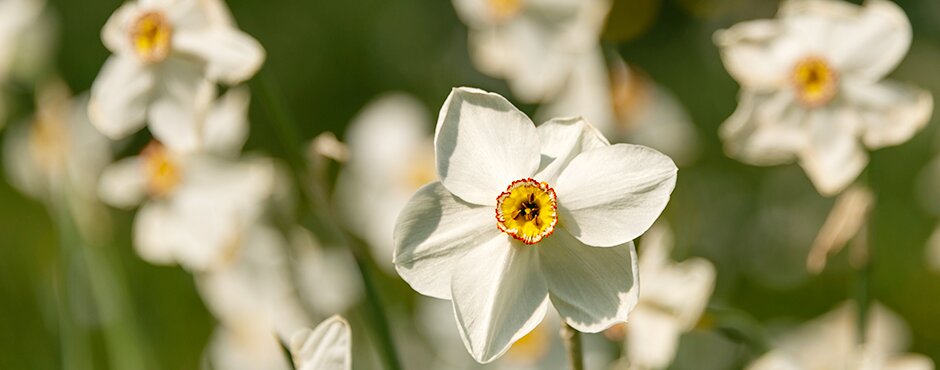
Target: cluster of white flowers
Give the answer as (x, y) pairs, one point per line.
(523, 226)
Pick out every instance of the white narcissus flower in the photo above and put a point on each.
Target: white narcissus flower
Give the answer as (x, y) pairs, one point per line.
(195, 206)
(626, 105)
(531, 43)
(26, 42)
(326, 347)
(391, 155)
(58, 150)
(252, 297)
(831, 342)
(672, 298)
(164, 51)
(567, 207)
(814, 88)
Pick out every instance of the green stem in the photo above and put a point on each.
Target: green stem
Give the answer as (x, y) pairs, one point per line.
(74, 340)
(314, 204)
(109, 294)
(572, 339)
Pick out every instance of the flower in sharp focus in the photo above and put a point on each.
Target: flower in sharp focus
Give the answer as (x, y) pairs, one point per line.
(163, 53)
(195, 206)
(326, 347)
(567, 207)
(813, 88)
(391, 156)
(672, 299)
(626, 105)
(531, 43)
(831, 342)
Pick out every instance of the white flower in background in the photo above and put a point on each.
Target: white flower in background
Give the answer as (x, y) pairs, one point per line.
(533, 44)
(254, 301)
(625, 104)
(326, 347)
(195, 206)
(57, 150)
(673, 297)
(326, 278)
(391, 156)
(813, 88)
(26, 40)
(831, 342)
(163, 53)
(567, 206)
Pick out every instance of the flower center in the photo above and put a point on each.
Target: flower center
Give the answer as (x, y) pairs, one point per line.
(48, 143)
(504, 9)
(815, 81)
(150, 37)
(527, 210)
(161, 169)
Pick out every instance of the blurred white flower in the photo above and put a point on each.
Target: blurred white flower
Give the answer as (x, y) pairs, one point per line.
(327, 280)
(626, 105)
(196, 206)
(560, 193)
(326, 347)
(254, 301)
(672, 298)
(57, 150)
(57, 156)
(26, 42)
(533, 44)
(164, 52)
(831, 342)
(813, 88)
(391, 156)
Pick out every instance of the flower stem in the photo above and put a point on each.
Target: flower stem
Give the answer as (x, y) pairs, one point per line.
(320, 221)
(572, 339)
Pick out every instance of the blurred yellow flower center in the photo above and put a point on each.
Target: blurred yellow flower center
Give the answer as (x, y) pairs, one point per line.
(527, 210)
(48, 143)
(815, 81)
(504, 9)
(161, 170)
(150, 37)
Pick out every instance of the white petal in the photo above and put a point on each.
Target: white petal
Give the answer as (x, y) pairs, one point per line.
(175, 117)
(592, 288)
(933, 250)
(910, 362)
(873, 41)
(539, 64)
(226, 126)
(765, 129)
(834, 157)
(326, 347)
(123, 184)
(758, 54)
(384, 137)
(498, 294)
(473, 13)
(652, 338)
(22, 170)
(609, 196)
(433, 232)
(891, 112)
(115, 33)
(562, 139)
(775, 360)
(119, 96)
(157, 233)
(232, 56)
(483, 143)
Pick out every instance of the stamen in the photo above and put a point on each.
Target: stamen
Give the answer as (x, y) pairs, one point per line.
(162, 171)
(815, 81)
(527, 210)
(150, 36)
